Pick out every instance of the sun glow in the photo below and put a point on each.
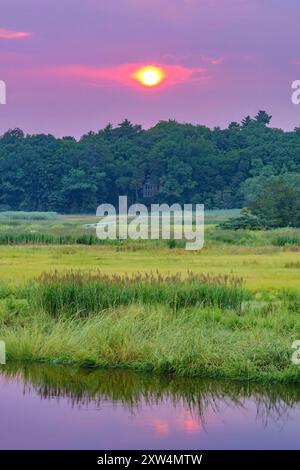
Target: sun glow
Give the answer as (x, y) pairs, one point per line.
(150, 76)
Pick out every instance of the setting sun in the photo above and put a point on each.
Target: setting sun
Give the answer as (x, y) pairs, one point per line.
(150, 76)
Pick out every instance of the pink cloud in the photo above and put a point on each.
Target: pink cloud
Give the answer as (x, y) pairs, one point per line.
(9, 34)
(212, 60)
(217, 61)
(126, 73)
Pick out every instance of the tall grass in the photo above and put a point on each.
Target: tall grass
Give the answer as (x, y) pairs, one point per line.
(10, 235)
(288, 238)
(22, 215)
(234, 237)
(16, 238)
(75, 293)
(32, 238)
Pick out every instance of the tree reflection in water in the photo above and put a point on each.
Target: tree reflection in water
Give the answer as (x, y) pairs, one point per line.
(83, 386)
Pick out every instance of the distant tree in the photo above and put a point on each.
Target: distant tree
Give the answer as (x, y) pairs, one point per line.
(263, 118)
(222, 168)
(12, 136)
(251, 187)
(234, 126)
(79, 192)
(278, 203)
(246, 121)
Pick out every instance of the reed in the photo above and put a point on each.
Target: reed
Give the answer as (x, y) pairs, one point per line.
(288, 238)
(75, 292)
(16, 238)
(23, 215)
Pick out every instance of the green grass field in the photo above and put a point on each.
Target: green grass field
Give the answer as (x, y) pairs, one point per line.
(266, 267)
(202, 337)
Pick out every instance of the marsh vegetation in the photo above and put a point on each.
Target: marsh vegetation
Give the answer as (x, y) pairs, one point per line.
(229, 310)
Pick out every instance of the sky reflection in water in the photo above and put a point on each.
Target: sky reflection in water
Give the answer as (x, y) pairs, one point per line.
(54, 407)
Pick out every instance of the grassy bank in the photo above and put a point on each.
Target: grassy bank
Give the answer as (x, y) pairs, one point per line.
(201, 338)
(194, 342)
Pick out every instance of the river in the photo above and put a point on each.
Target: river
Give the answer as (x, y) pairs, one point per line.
(61, 407)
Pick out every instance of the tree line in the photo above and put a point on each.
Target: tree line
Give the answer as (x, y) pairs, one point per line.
(222, 168)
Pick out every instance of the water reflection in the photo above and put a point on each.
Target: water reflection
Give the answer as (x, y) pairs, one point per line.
(157, 411)
(84, 386)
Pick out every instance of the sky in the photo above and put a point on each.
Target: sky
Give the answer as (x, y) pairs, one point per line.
(68, 64)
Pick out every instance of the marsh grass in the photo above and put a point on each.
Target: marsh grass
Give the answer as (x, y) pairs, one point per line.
(74, 292)
(19, 238)
(186, 325)
(68, 231)
(290, 238)
(293, 265)
(23, 215)
(195, 341)
(168, 324)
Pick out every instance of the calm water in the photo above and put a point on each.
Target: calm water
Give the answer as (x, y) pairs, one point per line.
(53, 407)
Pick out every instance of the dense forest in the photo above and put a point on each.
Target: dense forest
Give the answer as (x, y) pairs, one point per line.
(184, 163)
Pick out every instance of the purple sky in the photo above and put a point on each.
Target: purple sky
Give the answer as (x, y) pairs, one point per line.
(71, 73)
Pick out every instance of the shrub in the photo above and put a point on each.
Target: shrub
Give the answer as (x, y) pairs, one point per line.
(245, 221)
(278, 203)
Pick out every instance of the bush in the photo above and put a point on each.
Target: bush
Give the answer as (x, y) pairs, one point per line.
(278, 203)
(246, 221)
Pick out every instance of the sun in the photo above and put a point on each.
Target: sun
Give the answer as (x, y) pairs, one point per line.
(150, 75)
